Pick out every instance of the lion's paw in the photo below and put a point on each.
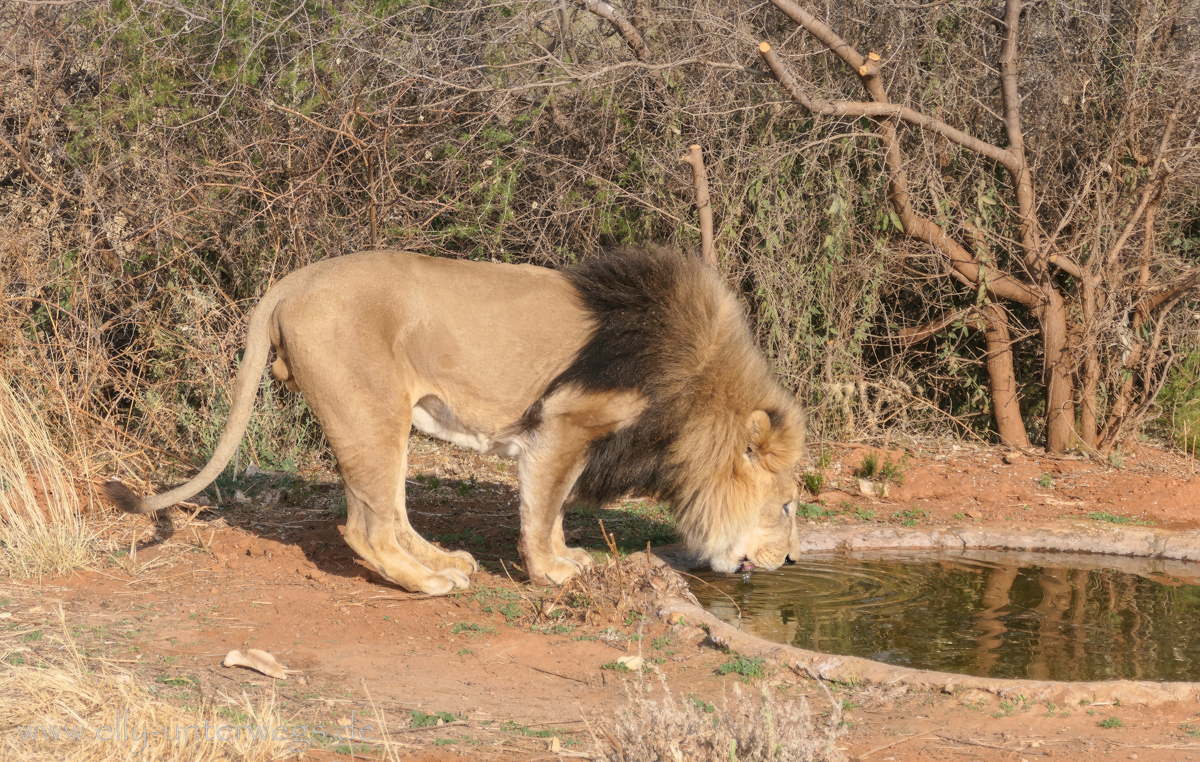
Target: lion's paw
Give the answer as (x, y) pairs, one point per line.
(464, 561)
(580, 556)
(444, 581)
(555, 571)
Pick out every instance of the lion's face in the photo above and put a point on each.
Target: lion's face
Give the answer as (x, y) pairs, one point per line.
(763, 474)
(775, 540)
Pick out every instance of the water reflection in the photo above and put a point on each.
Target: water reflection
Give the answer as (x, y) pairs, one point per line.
(1043, 616)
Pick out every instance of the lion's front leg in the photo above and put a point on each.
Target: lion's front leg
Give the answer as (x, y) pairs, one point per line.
(547, 476)
(558, 542)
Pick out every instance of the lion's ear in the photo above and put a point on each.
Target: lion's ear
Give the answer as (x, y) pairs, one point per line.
(760, 429)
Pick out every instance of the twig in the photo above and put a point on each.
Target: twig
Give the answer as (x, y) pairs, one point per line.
(970, 742)
(431, 727)
(906, 739)
(860, 108)
(564, 677)
(37, 177)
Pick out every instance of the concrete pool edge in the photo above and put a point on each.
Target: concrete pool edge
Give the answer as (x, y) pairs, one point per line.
(1063, 536)
(1069, 536)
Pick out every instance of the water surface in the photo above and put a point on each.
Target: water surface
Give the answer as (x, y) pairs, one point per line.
(1056, 616)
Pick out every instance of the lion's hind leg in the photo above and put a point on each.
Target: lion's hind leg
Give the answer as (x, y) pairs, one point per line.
(424, 551)
(370, 442)
(375, 542)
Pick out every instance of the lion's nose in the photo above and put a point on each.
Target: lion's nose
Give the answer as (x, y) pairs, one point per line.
(788, 561)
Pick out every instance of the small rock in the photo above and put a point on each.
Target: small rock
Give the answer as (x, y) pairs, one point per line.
(689, 634)
(555, 744)
(1012, 457)
(973, 514)
(5, 614)
(634, 663)
(872, 489)
(974, 697)
(239, 497)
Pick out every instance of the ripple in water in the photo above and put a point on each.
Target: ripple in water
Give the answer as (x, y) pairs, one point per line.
(1046, 616)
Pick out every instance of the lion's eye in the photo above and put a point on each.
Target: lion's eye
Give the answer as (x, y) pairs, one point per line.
(787, 510)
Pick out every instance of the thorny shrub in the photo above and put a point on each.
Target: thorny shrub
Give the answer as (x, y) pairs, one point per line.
(164, 162)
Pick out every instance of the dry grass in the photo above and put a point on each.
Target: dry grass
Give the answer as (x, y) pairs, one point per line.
(741, 729)
(42, 525)
(82, 698)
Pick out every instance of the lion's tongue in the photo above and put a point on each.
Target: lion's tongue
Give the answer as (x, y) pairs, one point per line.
(747, 566)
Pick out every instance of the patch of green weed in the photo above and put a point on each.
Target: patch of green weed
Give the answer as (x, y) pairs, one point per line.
(814, 482)
(886, 471)
(746, 666)
(471, 628)
(422, 720)
(1114, 519)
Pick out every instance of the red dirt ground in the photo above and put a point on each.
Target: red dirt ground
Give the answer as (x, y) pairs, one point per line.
(272, 572)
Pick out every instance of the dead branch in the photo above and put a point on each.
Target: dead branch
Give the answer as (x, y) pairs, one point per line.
(822, 32)
(629, 33)
(915, 226)
(875, 110)
(695, 158)
(1067, 265)
(909, 336)
(1034, 256)
(1176, 288)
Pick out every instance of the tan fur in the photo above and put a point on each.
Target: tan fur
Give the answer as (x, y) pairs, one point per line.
(381, 341)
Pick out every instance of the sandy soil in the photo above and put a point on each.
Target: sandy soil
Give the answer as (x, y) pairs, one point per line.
(267, 569)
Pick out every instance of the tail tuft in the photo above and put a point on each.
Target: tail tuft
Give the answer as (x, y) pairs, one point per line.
(122, 497)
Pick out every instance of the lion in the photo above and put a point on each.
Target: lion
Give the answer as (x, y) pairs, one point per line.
(631, 372)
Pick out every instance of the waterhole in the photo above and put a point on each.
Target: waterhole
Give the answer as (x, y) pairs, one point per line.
(1044, 616)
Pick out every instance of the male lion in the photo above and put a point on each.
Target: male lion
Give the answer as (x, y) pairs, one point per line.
(633, 371)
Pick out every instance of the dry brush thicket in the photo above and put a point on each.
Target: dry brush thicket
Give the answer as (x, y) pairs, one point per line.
(972, 255)
(657, 726)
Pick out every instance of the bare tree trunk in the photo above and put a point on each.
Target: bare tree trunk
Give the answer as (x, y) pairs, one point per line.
(1052, 312)
(1060, 402)
(1003, 382)
(1088, 413)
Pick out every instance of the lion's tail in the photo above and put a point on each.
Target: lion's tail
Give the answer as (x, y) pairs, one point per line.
(258, 346)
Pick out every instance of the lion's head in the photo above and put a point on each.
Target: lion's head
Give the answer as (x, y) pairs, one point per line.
(741, 513)
(717, 436)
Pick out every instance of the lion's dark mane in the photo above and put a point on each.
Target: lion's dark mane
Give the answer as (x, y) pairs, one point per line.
(656, 317)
